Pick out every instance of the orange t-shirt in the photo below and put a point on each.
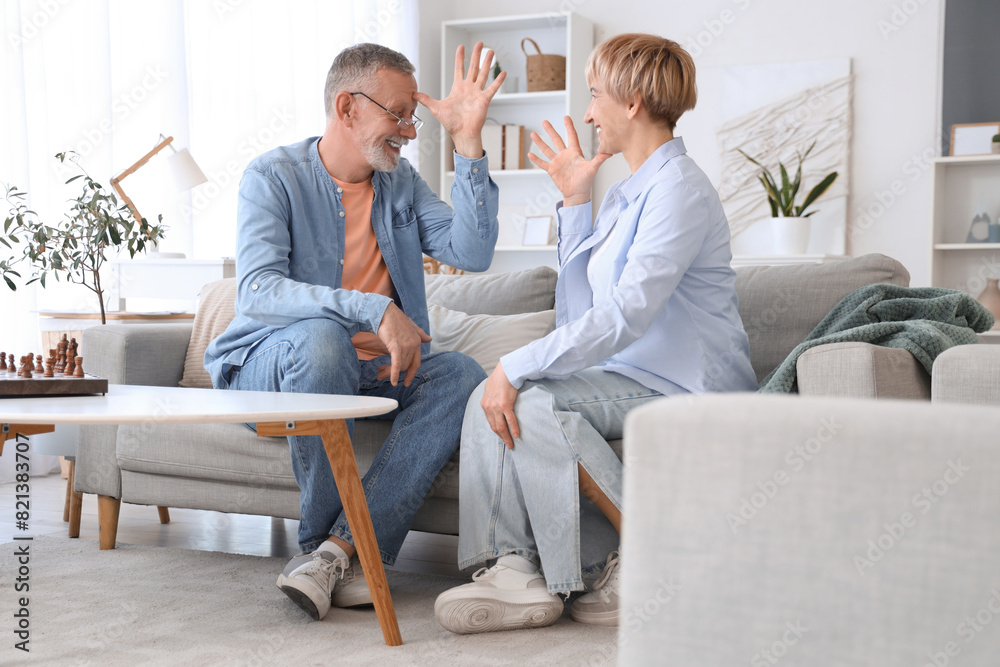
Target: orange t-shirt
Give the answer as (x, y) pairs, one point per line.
(364, 267)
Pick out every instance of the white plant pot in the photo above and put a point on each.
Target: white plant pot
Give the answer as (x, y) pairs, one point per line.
(790, 235)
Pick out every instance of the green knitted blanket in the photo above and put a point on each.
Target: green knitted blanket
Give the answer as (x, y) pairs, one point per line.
(926, 321)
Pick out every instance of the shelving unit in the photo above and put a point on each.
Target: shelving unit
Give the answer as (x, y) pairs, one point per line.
(962, 188)
(523, 192)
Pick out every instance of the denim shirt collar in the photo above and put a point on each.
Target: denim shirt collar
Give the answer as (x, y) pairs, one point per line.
(637, 182)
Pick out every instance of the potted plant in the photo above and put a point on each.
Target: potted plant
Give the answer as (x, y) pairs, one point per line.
(995, 144)
(75, 247)
(789, 221)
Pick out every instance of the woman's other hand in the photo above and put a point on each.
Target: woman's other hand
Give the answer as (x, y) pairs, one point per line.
(498, 404)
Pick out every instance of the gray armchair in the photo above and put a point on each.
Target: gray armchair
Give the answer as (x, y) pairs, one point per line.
(769, 530)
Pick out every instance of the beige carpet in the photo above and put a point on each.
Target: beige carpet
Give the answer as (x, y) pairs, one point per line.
(145, 605)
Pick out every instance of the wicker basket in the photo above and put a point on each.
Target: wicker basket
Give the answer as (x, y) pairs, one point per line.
(545, 70)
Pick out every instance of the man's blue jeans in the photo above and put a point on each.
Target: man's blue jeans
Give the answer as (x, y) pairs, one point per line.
(317, 356)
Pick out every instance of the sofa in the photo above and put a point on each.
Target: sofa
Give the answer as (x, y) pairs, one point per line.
(816, 531)
(227, 468)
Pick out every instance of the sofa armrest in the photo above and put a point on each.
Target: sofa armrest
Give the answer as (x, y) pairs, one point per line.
(144, 354)
(861, 370)
(836, 531)
(967, 374)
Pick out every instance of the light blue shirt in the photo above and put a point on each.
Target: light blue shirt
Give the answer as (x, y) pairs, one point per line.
(659, 303)
(290, 245)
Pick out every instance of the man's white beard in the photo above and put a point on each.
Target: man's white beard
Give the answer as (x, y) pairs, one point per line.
(378, 156)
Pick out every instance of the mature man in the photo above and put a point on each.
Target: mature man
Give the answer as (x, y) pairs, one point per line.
(331, 237)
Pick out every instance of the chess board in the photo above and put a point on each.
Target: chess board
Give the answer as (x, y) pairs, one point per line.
(60, 385)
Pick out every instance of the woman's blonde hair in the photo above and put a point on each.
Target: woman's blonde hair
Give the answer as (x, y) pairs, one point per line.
(659, 70)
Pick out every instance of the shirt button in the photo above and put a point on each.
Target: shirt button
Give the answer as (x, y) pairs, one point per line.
(341, 262)
(341, 214)
(339, 189)
(480, 203)
(475, 170)
(254, 287)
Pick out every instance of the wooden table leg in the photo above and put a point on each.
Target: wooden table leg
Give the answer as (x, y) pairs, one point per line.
(337, 443)
(107, 518)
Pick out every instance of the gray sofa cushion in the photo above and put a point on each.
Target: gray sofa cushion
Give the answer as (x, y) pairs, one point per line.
(781, 305)
(511, 293)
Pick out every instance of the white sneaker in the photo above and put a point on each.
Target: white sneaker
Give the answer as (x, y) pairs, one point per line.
(601, 606)
(499, 598)
(309, 580)
(352, 591)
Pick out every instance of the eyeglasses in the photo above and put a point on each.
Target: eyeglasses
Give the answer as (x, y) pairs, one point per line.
(403, 123)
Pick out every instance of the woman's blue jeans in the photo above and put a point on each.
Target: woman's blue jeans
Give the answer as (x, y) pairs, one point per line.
(317, 356)
(527, 500)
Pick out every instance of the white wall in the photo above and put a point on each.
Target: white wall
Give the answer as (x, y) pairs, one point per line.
(895, 47)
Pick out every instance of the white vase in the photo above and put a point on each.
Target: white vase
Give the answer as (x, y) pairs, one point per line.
(790, 235)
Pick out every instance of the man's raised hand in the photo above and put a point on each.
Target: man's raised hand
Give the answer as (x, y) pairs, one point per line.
(463, 113)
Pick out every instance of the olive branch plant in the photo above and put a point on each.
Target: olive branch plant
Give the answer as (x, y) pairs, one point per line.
(75, 247)
(782, 199)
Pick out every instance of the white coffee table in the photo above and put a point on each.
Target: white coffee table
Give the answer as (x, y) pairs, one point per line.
(275, 414)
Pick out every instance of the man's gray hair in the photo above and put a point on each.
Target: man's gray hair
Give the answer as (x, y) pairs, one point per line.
(354, 68)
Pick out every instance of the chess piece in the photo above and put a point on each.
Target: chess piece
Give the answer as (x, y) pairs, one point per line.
(3, 362)
(26, 366)
(78, 373)
(11, 368)
(49, 365)
(38, 364)
(71, 351)
(61, 355)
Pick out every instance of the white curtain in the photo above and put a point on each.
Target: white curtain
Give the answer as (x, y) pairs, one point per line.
(228, 79)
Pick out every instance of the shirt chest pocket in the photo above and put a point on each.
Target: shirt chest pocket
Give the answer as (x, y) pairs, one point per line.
(404, 217)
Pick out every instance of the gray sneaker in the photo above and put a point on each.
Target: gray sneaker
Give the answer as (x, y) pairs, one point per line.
(601, 606)
(310, 579)
(353, 589)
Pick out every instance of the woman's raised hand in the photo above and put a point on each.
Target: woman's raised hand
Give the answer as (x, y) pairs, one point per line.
(569, 170)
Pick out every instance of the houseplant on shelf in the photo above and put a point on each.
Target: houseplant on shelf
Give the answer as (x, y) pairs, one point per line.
(995, 144)
(789, 223)
(75, 247)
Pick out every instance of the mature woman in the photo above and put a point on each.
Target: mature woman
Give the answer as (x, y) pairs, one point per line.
(646, 307)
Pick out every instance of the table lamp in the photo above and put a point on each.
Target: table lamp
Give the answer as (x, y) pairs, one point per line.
(185, 170)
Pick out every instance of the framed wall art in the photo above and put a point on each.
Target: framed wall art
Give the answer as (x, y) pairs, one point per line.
(973, 138)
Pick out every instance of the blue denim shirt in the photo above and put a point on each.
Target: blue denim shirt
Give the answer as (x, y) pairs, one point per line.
(658, 304)
(290, 245)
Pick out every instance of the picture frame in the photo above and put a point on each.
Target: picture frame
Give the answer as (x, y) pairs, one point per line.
(972, 138)
(537, 230)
